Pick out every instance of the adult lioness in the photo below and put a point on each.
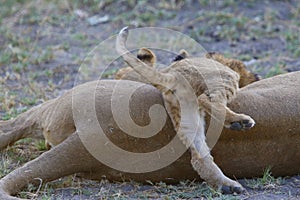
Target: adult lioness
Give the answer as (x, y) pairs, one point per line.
(189, 87)
(274, 141)
(33, 124)
(55, 125)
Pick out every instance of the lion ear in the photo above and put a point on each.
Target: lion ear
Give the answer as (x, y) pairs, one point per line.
(147, 56)
(215, 56)
(182, 55)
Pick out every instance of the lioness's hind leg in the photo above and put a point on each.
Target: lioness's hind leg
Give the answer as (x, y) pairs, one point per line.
(67, 158)
(233, 120)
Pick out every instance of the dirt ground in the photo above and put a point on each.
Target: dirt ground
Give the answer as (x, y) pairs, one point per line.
(44, 44)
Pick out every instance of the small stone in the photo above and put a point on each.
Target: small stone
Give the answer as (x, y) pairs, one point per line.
(96, 19)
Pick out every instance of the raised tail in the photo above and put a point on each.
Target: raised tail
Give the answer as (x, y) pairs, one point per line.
(151, 74)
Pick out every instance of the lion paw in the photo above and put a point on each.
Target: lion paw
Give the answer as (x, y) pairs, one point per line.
(243, 124)
(232, 189)
(226, 186)
(230, 186)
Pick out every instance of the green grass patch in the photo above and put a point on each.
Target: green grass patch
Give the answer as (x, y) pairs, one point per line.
(10, 7)
(266, 181)
(292, 38)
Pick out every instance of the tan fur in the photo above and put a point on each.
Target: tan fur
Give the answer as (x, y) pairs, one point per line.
(246, 77)
(58, 112)
(274, 141)
(55, 124)
(146, 56)
(214, 84)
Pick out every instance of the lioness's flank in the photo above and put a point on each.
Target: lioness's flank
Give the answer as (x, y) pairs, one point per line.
(274, 141)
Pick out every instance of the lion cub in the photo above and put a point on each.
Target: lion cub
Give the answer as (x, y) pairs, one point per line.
(148, 57)
(246, 77)
(214, 85)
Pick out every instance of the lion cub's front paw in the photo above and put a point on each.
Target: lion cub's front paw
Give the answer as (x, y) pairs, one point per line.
(243, 124)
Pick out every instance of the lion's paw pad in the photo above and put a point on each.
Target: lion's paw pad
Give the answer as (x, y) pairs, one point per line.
(242, 125)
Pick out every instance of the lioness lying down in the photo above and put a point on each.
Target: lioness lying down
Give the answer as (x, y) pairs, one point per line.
(274, 141)
(55, 119)
(190, 87)
(55, 125)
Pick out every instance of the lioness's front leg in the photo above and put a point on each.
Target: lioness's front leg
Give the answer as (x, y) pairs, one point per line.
(217, 109)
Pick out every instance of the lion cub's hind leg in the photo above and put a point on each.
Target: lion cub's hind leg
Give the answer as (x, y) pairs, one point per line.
(201, 161)
(211, 173)
(233, 120)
